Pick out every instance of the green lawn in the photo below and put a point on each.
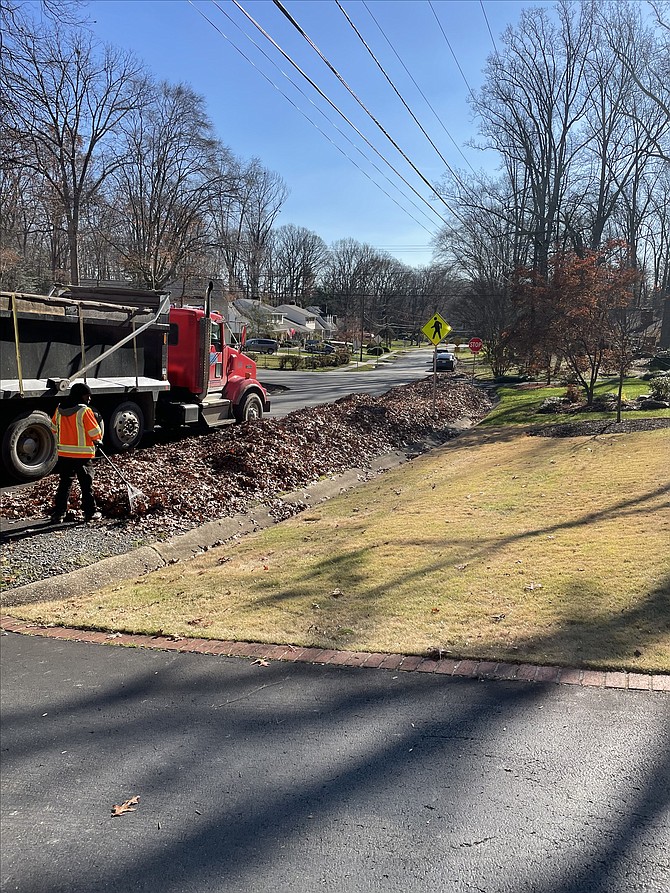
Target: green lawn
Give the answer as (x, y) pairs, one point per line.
(519, 404)
(498, 546)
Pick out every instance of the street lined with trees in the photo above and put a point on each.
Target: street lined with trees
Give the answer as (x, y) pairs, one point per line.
(108, 174)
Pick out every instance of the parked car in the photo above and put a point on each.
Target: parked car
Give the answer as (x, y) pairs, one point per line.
(261, 345)
(318, 347)
(445, 361)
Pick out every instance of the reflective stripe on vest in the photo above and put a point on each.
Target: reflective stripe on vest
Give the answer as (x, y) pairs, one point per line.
(76, 433)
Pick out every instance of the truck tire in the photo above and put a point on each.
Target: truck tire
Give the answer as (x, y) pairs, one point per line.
(250, 409)
(124, 426)
(29, 448)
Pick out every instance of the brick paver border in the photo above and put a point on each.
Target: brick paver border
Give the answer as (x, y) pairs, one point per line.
(457, 669)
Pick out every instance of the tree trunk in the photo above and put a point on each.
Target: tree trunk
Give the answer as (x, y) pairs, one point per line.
(618, 400)
(73, 247)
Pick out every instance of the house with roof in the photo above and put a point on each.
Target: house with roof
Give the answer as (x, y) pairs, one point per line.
(308, 322)
(326, 321)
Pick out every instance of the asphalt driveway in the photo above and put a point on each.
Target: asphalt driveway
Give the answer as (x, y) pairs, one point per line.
(301, 777)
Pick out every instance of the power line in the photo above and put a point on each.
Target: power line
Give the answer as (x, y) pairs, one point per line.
(290, 18)
(486, 18)
(458, 64)
(425, 98)
(393, 86)
(456, 177)
(341, 113)
(313, 123)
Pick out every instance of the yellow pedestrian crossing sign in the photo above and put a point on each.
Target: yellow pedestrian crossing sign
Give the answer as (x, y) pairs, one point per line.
(436, 329)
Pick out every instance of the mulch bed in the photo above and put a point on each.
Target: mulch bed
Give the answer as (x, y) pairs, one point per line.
(592, 427)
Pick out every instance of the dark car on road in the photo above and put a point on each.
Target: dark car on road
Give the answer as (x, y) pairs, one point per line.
(445, 361)
(261, 345)
(318, 347)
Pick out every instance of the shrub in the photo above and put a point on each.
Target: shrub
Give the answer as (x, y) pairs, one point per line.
(660, 387)
(290, 361)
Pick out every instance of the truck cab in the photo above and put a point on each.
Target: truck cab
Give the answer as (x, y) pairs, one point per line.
(147, 363)
(210, 381)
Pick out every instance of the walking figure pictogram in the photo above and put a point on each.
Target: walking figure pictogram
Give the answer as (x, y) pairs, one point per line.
(437, 328)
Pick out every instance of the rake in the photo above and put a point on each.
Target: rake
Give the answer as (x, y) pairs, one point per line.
(135, 495)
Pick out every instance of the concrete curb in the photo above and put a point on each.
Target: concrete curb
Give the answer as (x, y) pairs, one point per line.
(154, 556)
(446, 667)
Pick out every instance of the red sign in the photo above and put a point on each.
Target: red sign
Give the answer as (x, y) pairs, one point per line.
(475, 344)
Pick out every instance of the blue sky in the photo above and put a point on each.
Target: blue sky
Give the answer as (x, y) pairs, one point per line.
(328, 193)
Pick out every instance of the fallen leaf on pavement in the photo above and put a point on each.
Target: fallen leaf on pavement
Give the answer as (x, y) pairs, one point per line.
(127, 806)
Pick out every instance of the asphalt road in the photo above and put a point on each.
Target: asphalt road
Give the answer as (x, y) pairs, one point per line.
(311, 388)
(302, 778)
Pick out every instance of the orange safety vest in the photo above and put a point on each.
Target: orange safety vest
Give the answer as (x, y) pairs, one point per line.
(77, 431)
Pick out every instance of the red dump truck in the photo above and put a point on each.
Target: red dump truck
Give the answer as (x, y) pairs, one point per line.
(147, 363)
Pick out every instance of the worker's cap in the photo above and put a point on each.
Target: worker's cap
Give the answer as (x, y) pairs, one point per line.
(79, 390)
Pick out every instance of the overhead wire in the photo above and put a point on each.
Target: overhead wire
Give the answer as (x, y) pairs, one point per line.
(455, 175)
(458, 64)
(345, 118)
(312, 122)
(332, 68)
(338, 110)
(393, 86)
(464, 186)
(425, 98)
(486, 19)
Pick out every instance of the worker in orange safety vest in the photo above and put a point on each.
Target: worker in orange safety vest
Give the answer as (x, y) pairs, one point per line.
(77, 433)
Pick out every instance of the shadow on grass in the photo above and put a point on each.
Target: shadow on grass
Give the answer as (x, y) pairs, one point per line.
(607, 636)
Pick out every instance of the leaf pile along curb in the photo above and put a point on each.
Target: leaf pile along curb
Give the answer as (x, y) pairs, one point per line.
(199, 479)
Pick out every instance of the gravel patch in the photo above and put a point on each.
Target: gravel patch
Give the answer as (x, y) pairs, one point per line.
(593, 428)
(44, 551)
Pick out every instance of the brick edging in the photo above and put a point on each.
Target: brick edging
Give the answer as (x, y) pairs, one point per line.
(463, 669)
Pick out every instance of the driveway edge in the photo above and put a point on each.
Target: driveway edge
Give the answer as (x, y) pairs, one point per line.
(262, 654)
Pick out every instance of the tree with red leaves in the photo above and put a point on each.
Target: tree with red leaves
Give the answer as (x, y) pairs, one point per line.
(574, 312)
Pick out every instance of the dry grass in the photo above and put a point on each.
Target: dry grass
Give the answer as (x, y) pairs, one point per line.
(496, 546)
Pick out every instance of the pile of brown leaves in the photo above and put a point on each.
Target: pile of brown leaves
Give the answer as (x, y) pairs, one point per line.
(200, 479)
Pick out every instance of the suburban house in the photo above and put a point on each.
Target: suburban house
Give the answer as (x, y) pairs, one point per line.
(327, 322)
(306, 322)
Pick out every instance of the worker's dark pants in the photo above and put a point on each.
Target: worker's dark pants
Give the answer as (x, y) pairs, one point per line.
(69, 469)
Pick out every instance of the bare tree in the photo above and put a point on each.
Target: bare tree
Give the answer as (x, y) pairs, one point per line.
(243, 220)
(65, 99)
(164, 188)
(347, 282)
(531, 107)
(266, 194)
(646, 57)
(622, 125)
(298, 256)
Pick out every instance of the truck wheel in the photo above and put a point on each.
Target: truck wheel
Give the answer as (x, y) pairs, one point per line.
(29, 449)
(125, 426)
(250, 409)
